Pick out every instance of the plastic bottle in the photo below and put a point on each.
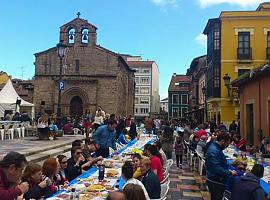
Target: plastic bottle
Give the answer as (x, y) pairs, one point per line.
(72, 194)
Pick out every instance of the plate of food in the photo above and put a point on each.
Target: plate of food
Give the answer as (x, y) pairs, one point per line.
(112, 173)
(96, 188)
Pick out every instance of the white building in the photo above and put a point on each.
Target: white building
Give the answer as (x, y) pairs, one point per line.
(147, 86)
(164, 104)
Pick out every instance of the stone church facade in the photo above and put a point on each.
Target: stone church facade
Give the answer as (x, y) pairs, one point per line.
(93, 75)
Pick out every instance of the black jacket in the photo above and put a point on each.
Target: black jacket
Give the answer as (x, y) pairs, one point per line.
(152, 185)
(72, 170)
(36, 192)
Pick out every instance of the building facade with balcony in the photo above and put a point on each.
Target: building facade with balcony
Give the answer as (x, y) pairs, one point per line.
(147, 100)
(178, 96)
(196, 74)
(236, 43)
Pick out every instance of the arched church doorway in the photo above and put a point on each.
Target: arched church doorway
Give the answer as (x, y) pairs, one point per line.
(76, 106)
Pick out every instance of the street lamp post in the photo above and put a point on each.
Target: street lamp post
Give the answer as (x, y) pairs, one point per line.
(205, 103)
(227, 82)
(61, 51)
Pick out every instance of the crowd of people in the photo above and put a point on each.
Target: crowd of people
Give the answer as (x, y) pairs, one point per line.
(145, 174)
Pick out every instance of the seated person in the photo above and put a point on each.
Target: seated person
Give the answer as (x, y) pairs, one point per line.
(150, 179)
(116, 196)
(240, 168)
(50, 169)
(61, 177)
(68, 128)
(248, 187)
(122, 137)
(201, 145)
(136, 159)
(89, 150)
(127, 174)
(239, 142)
(38, 187)
(76, 164)
(78, 143)
(134, 192)
(11, 167)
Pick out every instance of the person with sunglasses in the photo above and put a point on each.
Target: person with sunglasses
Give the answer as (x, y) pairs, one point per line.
(61, 176)
(76, 164)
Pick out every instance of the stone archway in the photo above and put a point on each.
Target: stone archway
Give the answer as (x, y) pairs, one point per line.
(76, 106)
(75, 101)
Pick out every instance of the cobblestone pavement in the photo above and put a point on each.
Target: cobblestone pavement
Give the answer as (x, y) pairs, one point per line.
(186, 184)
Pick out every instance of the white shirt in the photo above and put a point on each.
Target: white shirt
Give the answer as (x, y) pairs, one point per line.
(137, 182)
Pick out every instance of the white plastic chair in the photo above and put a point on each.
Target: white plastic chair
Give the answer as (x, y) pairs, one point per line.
(169, 163)
(23, 131)
(76, 131)
(166, 171)
(9, 131)
(164, 191)
(2, 132)
(166, 179)
(17, 129)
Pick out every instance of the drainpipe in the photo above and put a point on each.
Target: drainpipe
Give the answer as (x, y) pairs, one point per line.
(260, 109)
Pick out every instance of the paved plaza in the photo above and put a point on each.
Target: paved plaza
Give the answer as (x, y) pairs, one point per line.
(186, 184)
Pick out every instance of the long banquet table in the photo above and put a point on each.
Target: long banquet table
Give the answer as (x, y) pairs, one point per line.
(266, 178)
(93, 172)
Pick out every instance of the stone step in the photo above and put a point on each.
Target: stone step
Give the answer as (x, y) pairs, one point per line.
(44, 154)
(43, 149)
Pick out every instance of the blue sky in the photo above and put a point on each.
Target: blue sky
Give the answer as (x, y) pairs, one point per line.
(166, 31)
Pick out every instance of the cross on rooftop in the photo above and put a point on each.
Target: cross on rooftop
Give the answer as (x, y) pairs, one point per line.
(78, 14)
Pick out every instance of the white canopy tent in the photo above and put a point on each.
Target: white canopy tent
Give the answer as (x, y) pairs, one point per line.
(8, 98)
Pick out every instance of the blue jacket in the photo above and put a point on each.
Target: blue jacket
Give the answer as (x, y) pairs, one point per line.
(104, 137)
(217, 169)
(233, 179)
(248, 188)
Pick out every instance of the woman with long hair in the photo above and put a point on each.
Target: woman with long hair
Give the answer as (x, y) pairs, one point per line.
(50, 169)
(61, 176)
(136, 159)
(37, 186)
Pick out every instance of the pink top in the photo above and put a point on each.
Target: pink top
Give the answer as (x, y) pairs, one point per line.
(156, 165)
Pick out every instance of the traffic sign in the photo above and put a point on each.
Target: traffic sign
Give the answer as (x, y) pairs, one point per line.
(61, 85)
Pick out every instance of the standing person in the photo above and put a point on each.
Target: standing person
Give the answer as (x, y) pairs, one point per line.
(233, 126)
(167, 141)
(249, 187)
(148, 124)
(179, 150)
(217, 169)
(150, 179)
(133, 131)
(11, 168)
(105, 137)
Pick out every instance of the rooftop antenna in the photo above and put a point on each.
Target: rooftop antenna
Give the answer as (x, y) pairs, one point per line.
(22, 68)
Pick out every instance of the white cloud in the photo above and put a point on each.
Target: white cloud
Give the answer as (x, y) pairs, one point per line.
(242, 3)
(201, 39)
(165, 3)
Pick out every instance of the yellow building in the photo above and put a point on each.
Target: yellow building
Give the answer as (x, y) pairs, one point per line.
(3, 77)
(238, 41)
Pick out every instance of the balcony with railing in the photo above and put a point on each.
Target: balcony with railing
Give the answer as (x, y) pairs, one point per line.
(244, 53)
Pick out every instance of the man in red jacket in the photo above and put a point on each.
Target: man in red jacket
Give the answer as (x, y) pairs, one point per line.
(11, 168)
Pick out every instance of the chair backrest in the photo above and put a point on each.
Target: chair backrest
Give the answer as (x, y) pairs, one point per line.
(165, 179)
(169, 163)
(164, 190)
(166, 171)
